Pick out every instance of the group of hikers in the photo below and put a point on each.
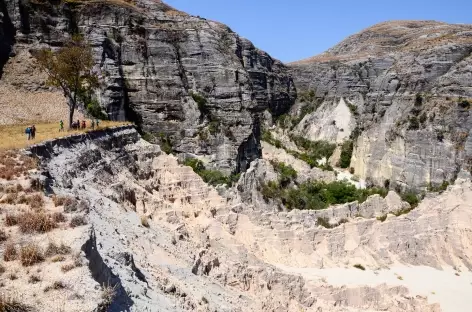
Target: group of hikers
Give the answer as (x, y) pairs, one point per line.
(30, 131)
(77, 125)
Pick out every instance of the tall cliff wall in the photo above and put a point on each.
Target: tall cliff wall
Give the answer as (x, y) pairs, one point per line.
(156, 63)
(405, 83)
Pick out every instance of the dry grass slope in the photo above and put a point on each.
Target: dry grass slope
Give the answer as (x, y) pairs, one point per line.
(14, 137)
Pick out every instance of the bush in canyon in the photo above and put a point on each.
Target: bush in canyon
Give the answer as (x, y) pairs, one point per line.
(346, 154)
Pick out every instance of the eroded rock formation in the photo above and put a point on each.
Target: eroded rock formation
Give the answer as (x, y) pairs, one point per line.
(175, 75)
(404, 82)
(201, 251)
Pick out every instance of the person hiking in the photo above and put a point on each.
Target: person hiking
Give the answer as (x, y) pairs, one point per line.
(61, 126)
(33, 132)
(28, 132)
(96, 121)
(92, 124)
(83, 124)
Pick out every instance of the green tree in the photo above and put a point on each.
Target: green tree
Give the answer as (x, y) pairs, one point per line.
(70, 68)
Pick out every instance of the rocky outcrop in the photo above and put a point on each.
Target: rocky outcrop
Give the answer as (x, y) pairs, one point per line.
(178, 76)
(199, 251)
(403, 82)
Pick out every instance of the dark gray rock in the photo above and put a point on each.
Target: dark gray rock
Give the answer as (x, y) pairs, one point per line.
(156, 63)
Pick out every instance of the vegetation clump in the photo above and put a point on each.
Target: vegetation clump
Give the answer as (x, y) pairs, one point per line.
(316, 195)
(77, 221)
(269, 138)
(359, 266)
(418, 99)
(31, 254)
(214, 127)
(382, 218)
(324, 222)
(286, 173)
(346, 154)
(411, 198)
(38, 222)
(465, 104)
(313, 151)
(212, 177)
(201, 102)
(414, 124)
(438, 188)
(12, 305)
(165, 143)
(353, 109)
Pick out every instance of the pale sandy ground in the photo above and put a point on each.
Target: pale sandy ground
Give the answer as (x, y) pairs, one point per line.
(452, 292)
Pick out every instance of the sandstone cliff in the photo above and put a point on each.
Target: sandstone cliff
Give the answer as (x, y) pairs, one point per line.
(178, 76)
(399, 90)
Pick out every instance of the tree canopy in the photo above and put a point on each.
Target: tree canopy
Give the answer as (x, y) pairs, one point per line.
(70, 68)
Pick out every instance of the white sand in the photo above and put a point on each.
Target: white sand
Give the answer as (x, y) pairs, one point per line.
(452, 292)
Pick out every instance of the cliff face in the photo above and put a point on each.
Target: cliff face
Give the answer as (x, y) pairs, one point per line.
(405, 84)
(187, 78)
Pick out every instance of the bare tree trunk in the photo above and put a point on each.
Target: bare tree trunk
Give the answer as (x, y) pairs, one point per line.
(71, 112)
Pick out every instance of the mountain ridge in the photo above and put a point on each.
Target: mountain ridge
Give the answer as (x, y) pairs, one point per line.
(410, 34)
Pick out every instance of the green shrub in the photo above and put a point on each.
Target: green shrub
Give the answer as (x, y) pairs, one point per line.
(201, 102)
(286, 173)
(165, 143)
(413, 123)
(214, 127)
(402, 211)
(353, 109)
(95, 110)
(203, 135)
(346, 154)
(270, 190)
(441, 188)
(148, 137)
(365, 193)
(382, 218)
(308, 96)
(324, 222)
(411, 198)
(313, 195)
(418, 99)
(267, 137)
(359, 266)
(196, 164)
(310, 104)
(284, 121)
(212, 177)
(313, 151)
(465, 104)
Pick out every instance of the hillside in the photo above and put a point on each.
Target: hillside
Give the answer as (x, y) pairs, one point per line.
(406, 85)
(190, 82)
(340, 183)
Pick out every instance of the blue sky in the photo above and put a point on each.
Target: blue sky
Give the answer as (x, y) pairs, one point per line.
(297, 29)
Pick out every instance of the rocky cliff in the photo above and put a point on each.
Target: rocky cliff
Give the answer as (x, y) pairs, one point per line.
(400, 90)
(183, 79)
(166, 241)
